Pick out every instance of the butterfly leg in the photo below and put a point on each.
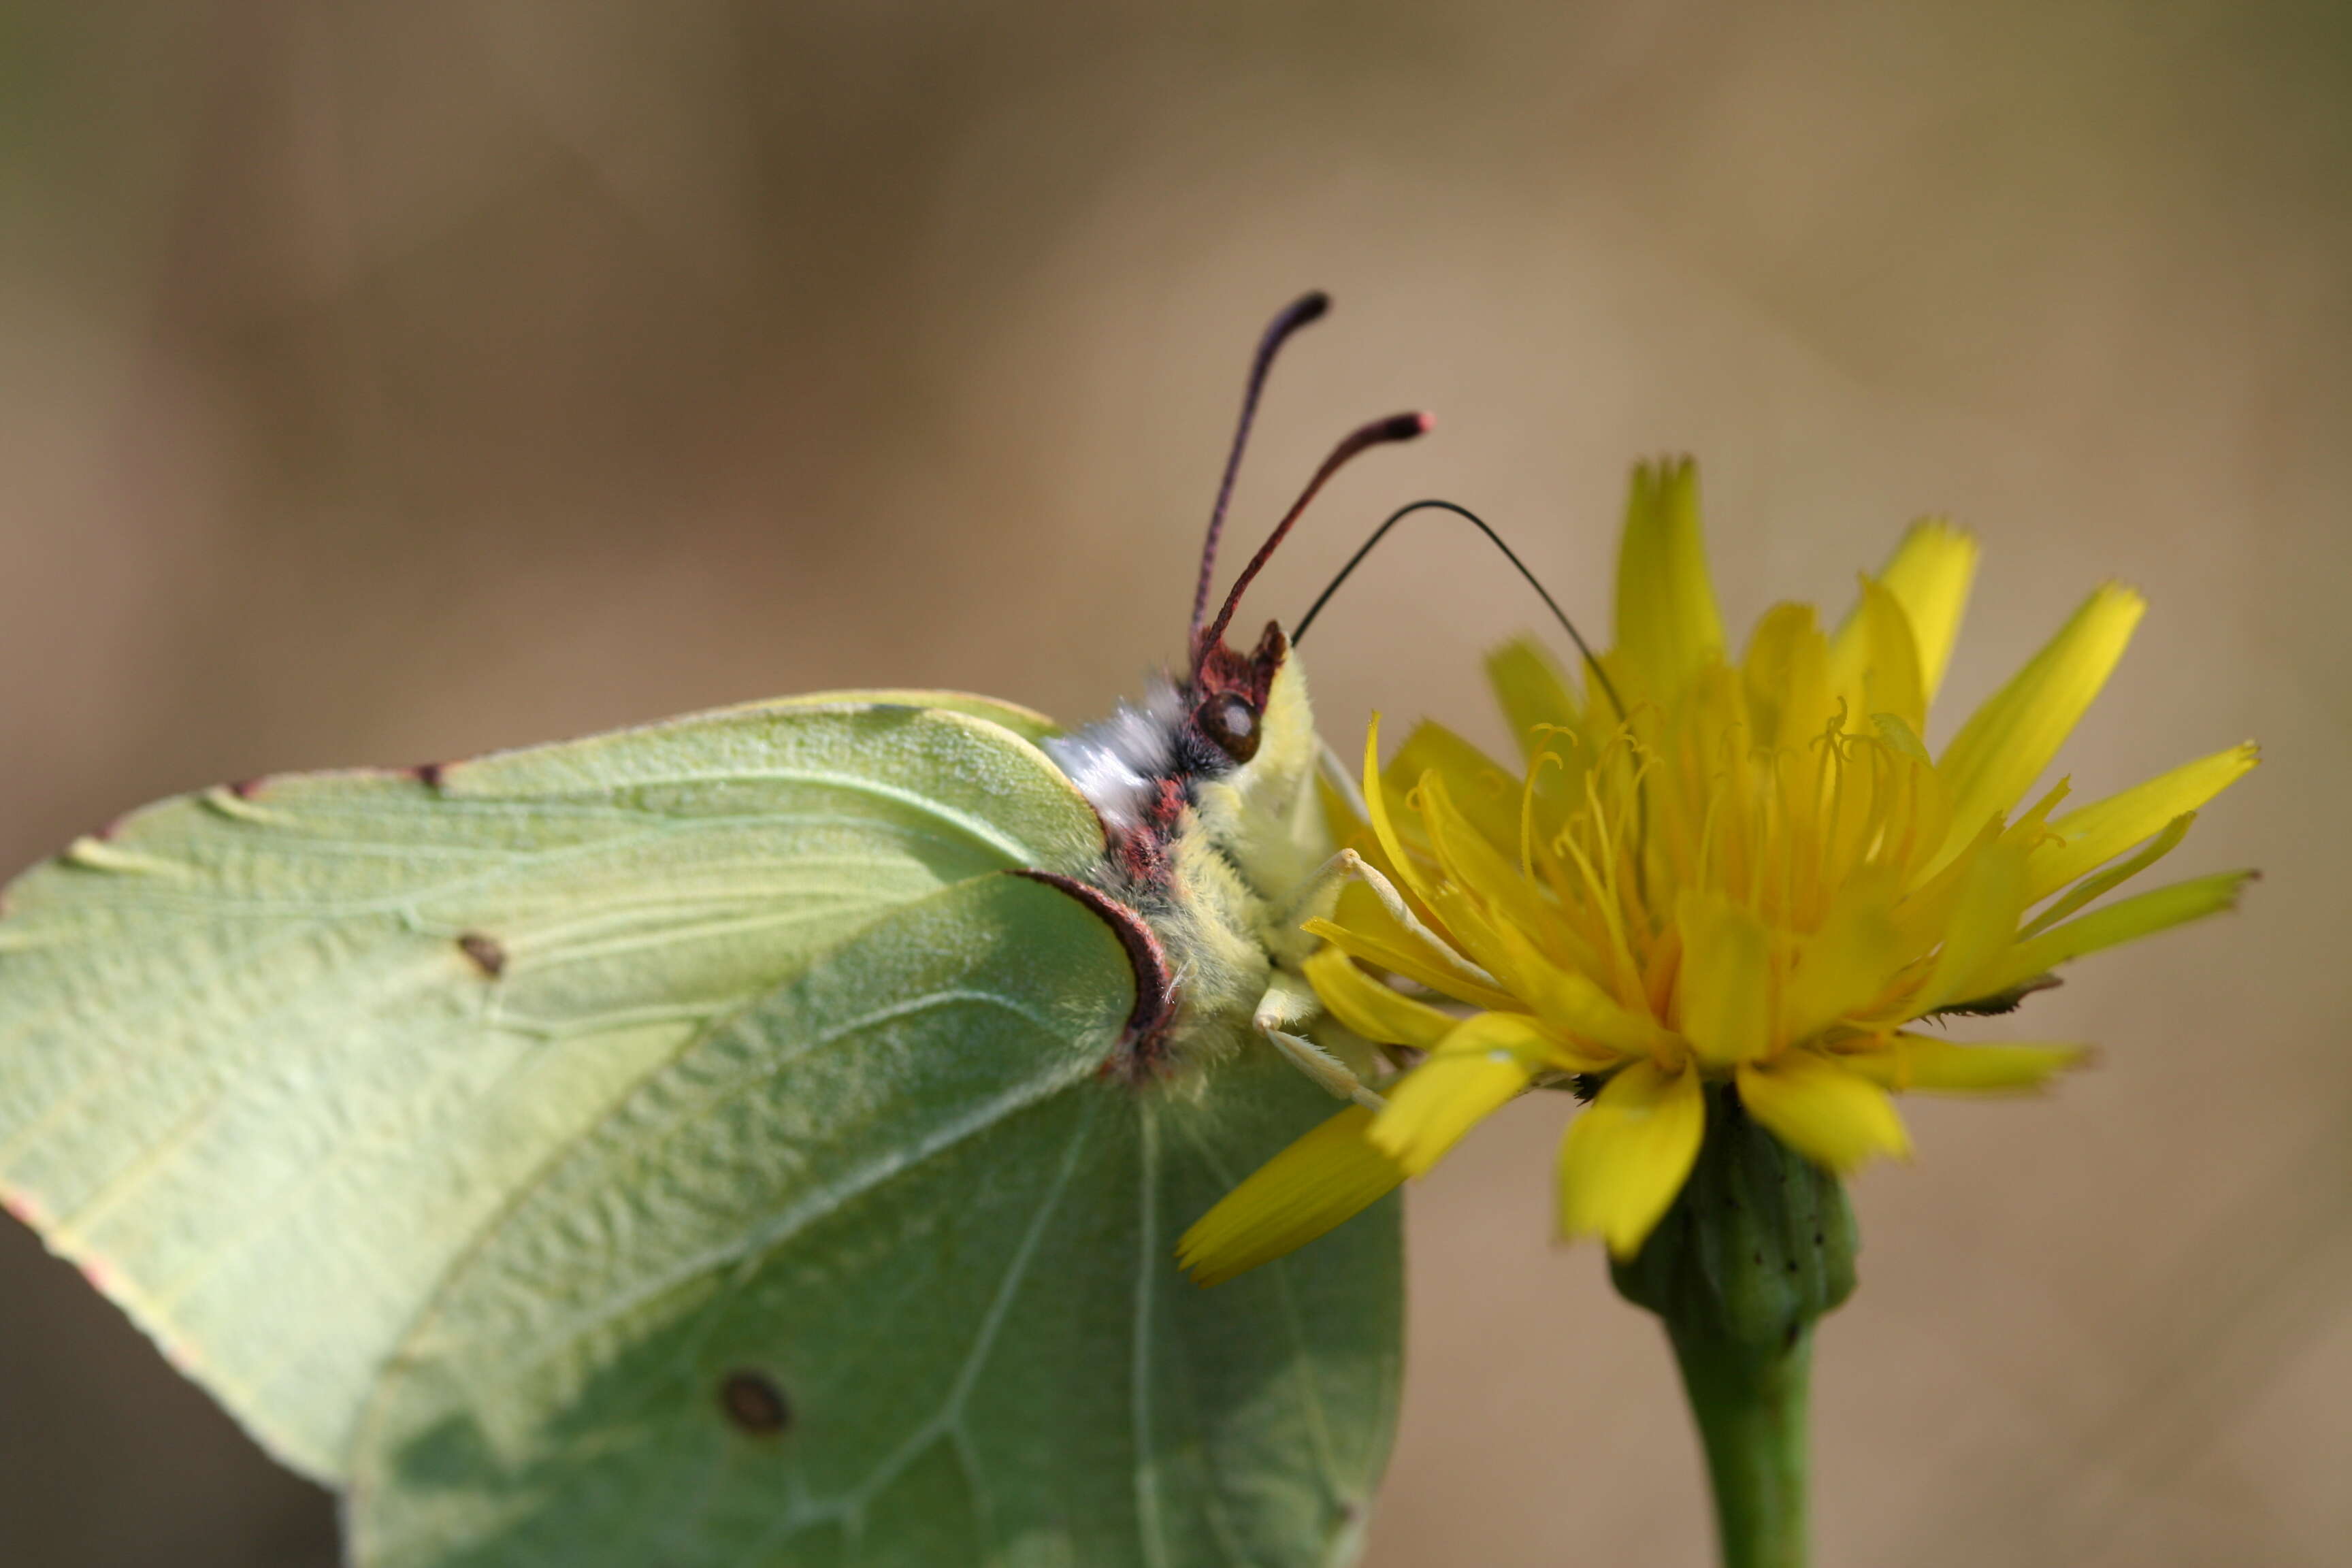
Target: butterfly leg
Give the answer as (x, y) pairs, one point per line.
(1288, 999)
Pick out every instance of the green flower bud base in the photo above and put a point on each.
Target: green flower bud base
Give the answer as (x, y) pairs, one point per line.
(1757, 1246)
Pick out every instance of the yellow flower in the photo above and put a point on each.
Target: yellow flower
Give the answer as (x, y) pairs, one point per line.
(1749, 873)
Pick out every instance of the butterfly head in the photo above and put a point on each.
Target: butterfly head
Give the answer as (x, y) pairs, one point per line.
(1228, 695)
(1233, 719)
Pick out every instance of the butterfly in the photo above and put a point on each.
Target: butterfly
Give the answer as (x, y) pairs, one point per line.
(754, 1138)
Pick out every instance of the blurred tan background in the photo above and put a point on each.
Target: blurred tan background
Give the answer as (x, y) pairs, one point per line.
(381, 383)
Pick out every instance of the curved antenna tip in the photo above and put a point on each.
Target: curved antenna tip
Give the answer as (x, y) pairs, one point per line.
(1302, 311)
(1379, 433)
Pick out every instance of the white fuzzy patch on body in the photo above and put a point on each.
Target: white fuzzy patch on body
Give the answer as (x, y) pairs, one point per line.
(1117, 762)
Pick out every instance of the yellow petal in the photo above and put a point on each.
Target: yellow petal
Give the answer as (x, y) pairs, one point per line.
(1628, 1154)
(1475, 930)
(2006, 744)
(1982, 926)
(1786, 673)
(1330, 1175)
(1892, 680)
(1466, 924)
(1846, 965)
(2089, 889)
(1373, 1010)
(2095, 834)
(2127, 919)
(1723, 992)
(1574, 1005)
(1926, 906)
(1386, 945)
(1533, 690)
(1923, 1064)
(1376, 806)
(1667, 624)
(1830, 1116)
(1874, 661)
(2032, 825)
(1473, 861)
(1483, 790)
(1929, 577)
(1480, 1067)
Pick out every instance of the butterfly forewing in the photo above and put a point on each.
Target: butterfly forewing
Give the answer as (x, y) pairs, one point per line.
(272, 1059)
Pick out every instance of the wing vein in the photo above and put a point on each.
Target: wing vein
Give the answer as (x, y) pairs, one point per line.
(1152, 1526)
(796, 1216)
(1310, 1397)
(948, 1420)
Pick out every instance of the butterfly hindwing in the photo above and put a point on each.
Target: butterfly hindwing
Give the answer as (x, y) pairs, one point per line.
(878, 1271)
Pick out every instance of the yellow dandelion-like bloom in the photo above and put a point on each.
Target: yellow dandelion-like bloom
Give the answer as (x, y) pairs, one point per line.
(1749, 873)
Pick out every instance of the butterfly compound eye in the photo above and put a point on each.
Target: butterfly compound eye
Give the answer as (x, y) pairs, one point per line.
(1232, 722)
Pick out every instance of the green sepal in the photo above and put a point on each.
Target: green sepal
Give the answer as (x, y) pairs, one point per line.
(2008, 999)
(1758, 1244)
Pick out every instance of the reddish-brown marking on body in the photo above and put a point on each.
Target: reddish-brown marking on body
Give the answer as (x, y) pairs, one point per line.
(428, 774)
(1142, 852)
(1137, 1056)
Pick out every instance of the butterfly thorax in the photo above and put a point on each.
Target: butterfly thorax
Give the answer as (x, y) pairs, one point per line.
(1206, 795)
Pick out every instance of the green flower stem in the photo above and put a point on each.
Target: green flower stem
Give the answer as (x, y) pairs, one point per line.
(1759, 1245)
(1750, 1403)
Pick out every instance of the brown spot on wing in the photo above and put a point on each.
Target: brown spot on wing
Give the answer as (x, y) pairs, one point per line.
(428, 774)
(1138, 1054)
(483, 949)
(754, 1404)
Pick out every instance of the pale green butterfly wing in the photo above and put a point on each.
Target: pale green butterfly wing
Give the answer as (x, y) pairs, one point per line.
(271, 1059)
(1026, 722)
(898, 1197)
(293, 1071)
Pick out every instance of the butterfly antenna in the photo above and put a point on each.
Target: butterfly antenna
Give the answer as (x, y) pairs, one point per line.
(1379, 433)
(1299, 312)
(1480, 523)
